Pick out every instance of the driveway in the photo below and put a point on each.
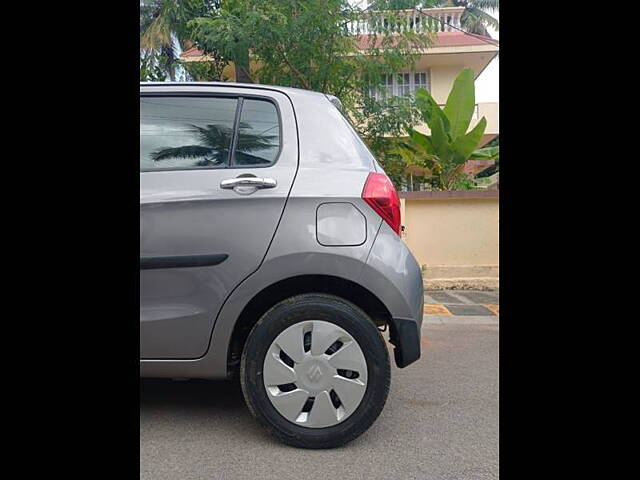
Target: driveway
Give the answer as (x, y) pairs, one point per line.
(440, 421)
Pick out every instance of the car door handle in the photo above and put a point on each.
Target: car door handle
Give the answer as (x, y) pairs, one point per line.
(255, 182)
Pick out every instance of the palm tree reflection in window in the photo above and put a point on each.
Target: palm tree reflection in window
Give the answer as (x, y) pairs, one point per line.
(215, 143)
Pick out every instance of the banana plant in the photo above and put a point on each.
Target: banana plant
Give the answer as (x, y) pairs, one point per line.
(488, 153)
(443, 153)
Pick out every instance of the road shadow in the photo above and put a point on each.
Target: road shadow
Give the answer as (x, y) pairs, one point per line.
(214, 412)
(218, 395)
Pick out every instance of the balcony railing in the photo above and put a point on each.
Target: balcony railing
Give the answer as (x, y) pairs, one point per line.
(399, 21)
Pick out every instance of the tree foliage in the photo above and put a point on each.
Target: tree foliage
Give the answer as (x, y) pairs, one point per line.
(306, 44)
(491, 151)
(152, 68)
(207, 71)
(476, 17)
(163, 27)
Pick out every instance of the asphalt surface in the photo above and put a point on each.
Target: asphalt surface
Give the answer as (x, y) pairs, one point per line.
(440, 422)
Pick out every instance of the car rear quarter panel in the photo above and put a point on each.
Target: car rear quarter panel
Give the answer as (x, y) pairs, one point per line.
(394, 276)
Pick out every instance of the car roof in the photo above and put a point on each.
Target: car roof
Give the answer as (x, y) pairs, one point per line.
(285, 90)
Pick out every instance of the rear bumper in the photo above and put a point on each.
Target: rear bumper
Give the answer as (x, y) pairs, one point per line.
(394, 276)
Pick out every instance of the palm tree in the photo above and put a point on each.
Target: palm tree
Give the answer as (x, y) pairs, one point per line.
(164, 22)
(214, 146)
(475, 18)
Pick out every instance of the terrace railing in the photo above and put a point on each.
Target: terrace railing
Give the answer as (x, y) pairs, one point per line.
(427, 20)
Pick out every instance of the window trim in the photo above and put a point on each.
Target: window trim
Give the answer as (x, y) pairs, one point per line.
(427, 78)
(236, 124)
(239, 97)
(392, 92)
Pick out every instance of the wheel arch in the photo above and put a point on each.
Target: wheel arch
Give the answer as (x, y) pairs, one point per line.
(272, 294)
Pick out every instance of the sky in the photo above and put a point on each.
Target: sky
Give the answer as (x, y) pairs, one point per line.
(487, 85)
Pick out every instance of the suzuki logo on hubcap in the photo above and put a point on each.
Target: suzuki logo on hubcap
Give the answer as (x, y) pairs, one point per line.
(314, 373)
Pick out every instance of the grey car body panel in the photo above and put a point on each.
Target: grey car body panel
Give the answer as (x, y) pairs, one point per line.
(393, 274)
(186, 213)
(331, 171)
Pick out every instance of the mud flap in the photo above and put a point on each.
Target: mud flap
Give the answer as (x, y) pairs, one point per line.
(404, 335)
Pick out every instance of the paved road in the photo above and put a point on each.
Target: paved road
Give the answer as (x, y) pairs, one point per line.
(461, 306)
(440, 422)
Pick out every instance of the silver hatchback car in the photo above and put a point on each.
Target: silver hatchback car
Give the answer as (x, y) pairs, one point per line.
(270, 250)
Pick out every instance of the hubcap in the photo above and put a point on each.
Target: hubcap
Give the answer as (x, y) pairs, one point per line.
(315, 374)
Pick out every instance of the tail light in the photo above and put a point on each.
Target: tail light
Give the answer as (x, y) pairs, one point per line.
(381, 195)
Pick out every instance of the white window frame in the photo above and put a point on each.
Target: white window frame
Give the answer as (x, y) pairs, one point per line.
(379, 94)
(427, 84)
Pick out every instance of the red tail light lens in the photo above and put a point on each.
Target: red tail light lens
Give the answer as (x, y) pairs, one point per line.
(381, 195)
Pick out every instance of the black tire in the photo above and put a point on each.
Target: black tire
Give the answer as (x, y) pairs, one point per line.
(347, 316)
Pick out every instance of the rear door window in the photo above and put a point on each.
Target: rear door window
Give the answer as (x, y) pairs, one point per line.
(186, 132)
(178, 133)
(258, 143)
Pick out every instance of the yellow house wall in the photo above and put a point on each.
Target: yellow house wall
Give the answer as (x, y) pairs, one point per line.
(442, 81)
(452, 232)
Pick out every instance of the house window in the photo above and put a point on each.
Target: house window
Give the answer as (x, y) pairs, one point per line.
(400, 85)
(403, 82)
(420, 80)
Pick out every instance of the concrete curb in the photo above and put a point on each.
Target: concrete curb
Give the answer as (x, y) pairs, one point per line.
(460, 271)
(478, 283)
(461, 320)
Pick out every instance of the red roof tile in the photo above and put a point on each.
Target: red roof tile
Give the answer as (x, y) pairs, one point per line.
(452, 39)
(192, 52)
